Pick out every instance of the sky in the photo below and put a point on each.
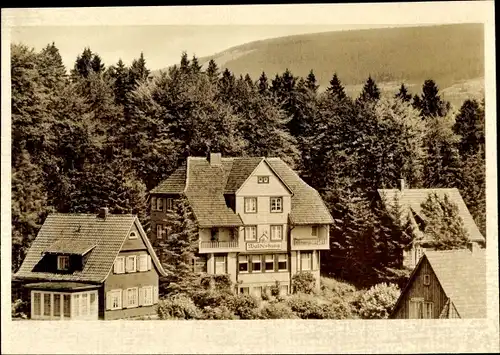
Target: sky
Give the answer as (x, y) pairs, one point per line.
(162, 45)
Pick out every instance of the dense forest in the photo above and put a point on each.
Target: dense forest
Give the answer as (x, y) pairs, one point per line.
(105, 135)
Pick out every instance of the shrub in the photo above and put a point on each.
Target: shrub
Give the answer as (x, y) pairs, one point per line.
(20, 309)
(246, 307)
(213, 299)
(217, 282)
(277, 310)
(304, 282)
(304, 306)
(377, 302)
(219, 313)
(178, 307)
(275, 289)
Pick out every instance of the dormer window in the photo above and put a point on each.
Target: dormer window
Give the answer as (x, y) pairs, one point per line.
(263, 179)
(63, 262)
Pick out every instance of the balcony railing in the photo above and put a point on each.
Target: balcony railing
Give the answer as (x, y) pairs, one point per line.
(219, 245)
(309, 241)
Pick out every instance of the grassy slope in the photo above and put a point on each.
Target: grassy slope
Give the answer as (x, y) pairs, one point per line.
(451, 55)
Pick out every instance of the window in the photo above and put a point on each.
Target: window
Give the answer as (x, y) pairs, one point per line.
(131, 263)
(428, 310)
(46, 304)
(250, 233)
(427, 280)
(37, 299)
(67, 306)
(93, 303)
(148, 295)
(283, 290)
(420, 309)
(57, 305)
(153, 203)
(170, 204)
(243, 263)
(263, 179)
(282, 262)
(114, 299)
(220, 264)
(306, 261)
(250, 204)
(276, 204)
(76, 305)
(159, 231)
(132, 297)
(314, 231)
(84, 304)
(269, 262)
(276, 232)
(244, 290)
(419, 251)
(214, 234)
(132, 235)
(159, 204)
(143, 262)
(256, 263)
(63, 262)
(119, 267)
(257, 291)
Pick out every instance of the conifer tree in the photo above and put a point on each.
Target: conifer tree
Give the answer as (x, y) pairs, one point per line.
(263, 84)
(138, 71)
(403, 94)
(336, 89)
(311, 82)
(430, 102)
(121, 84)
(469, 125)
(212, 70)
(195, 65)
(370, 92)
(184, 65)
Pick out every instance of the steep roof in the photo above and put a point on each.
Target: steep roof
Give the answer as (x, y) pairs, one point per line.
(174, 184)
(411, 200)
(206, 186)
(72, 233)
(462, 274)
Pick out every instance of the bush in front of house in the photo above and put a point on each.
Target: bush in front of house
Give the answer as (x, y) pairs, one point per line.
(304, 282)
(305, 306)
(277, 310)
(246, 307)
(178, 307)
(378, 301)
(218, 313)
(20, 309)
(214, 298)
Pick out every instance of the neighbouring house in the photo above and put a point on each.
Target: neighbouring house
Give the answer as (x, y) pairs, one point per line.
(87, 266)
(410, 201)
(258, 220)
(445, 284)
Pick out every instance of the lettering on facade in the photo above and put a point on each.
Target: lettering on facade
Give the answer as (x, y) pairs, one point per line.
(260, 246)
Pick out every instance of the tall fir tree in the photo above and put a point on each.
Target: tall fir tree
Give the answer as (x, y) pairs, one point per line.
(470, 126)
(403, 94)
(212, 70)
(336, 89)
(311, 83)
(430, 103)
(370, 92)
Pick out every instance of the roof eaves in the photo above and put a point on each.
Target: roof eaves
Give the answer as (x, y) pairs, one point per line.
(146, 241)
(248, 177)
(274, 171)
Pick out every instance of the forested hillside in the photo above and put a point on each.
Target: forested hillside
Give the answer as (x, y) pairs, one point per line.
(106, 135)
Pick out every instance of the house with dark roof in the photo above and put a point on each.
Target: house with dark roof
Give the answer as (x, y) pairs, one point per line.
(445, 284)
(258, 220)
(410, 201)
(87, 266)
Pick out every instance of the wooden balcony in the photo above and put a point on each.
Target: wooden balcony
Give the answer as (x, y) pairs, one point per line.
(218, 247)
(310, 243)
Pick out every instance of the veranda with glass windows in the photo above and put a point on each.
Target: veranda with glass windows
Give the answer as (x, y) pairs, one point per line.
(72, 302)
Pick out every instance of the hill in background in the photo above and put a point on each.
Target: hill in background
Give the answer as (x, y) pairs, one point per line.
(451, 55)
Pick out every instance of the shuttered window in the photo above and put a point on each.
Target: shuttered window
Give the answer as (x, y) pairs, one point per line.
(119, 266)
(143, 262)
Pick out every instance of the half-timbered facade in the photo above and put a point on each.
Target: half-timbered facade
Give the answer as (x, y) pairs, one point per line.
(258, 220)
(88, 267)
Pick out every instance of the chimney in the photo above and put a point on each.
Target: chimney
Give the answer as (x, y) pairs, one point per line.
(401, 184)
(103, 212)
(215, 159)
(473, 247)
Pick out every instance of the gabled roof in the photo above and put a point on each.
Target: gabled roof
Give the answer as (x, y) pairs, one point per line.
(410, 201)
(206, 185)
(174, 184)
(462, 275)
(60, 231)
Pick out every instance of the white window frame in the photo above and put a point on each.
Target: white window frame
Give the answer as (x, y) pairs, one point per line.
(283, 287)
(269, 258)
(281, 256)
(170, 204)
(143, 263)
(276, 204)
(115, 294)
(243, 289)
(159, 231)
(314, 231)
(259, 257)
(147, 291)
(309, 261)
(79, 305)
(132, 235)
(274, 228)
(119, 265)
(224, 262)
(427, 280)
(134, 269)
(153, 203)
(248, 204)
(249, 235)
(243, 259)
(263, 179)
(159, 204)
(63, 262)
(428, 310)
(132, 291)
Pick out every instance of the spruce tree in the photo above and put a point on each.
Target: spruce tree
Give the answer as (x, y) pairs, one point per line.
(470, 125)
(311, 82)
(195, 65)
(430, 102)
(138, 71)
(370, 92)
(336, 89)
(403, 94)
(212, 70)
(263, 84)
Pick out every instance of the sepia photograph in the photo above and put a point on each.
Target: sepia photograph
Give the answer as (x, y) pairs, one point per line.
(180, 175)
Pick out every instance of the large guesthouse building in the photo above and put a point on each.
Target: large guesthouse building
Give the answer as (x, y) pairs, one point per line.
(259, 222)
